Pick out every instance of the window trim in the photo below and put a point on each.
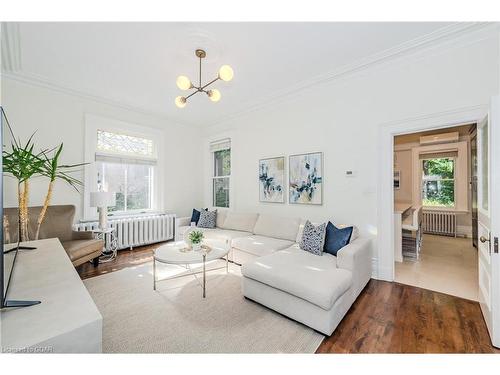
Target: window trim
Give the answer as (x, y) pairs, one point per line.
(454, 179)
(94, 123)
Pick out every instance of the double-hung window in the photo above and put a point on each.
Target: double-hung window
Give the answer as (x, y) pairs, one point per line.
(221, 159)
(126, 165)
(438, 181)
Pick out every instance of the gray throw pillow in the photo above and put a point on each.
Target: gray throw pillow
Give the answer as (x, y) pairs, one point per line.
(207, 219)
(313, 238)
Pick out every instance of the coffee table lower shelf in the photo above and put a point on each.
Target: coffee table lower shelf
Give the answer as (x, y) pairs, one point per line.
(191, 273)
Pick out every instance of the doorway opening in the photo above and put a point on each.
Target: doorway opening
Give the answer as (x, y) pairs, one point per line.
(435, 210)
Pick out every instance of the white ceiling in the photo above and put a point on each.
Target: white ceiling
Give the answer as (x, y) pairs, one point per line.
(137, 63)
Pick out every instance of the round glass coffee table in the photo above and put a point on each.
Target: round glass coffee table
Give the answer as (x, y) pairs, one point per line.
(180, 254)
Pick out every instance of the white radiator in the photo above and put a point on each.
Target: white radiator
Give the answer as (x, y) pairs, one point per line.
(440, 222)
(137, 230)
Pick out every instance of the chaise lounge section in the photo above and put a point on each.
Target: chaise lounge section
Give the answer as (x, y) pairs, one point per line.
(314, 290)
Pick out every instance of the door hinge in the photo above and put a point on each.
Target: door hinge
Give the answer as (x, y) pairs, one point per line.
(495, 245)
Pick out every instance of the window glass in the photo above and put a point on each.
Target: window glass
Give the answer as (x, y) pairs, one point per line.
(221, 176)
(221, 192)
(222, 163)
(124, 144)
(132, 183)
(438, 182)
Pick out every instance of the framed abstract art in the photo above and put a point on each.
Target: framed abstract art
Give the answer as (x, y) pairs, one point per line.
(272, 180)
(305, 178)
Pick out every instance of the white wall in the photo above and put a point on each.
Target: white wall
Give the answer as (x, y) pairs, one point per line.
(58, 117)
(403, 163)
(342, 119)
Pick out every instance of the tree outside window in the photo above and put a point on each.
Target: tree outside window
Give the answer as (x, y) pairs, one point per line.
(438, 182)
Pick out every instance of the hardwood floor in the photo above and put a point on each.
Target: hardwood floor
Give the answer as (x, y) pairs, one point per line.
(386, 318)
(125, 258)
(395, 318)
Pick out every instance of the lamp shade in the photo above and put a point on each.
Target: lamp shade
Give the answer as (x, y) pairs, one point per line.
(102, 199)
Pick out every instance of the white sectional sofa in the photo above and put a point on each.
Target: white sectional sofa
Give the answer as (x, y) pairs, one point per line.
(314, 290)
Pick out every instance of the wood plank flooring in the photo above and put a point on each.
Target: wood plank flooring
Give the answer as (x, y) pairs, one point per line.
(386, 318)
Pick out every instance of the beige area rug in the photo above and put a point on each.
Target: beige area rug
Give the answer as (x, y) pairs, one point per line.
(176, 319)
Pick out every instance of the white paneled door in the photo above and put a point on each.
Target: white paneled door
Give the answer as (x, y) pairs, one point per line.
(488, 157)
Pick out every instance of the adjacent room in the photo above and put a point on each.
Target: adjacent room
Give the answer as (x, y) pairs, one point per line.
(435, 201)
(227, 187)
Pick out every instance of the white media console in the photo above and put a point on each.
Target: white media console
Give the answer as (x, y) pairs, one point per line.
(66, 320)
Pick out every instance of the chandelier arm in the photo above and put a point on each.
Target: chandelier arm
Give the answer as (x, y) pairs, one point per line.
(209, 83)
(190, 95)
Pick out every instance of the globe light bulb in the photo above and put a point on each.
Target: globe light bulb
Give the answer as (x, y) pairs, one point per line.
(180, 101)
(183, 83)
(226, 73)
(214, 95)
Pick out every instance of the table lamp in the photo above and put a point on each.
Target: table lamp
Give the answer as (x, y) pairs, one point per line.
(102, 200)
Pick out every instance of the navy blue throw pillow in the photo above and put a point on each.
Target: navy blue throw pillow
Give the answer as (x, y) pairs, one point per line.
(336, 238)
(195, 216)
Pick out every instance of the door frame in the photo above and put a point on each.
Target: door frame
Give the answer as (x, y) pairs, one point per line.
(385, 191)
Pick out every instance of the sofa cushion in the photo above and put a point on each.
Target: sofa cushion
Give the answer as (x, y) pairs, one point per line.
(336, 238)
(77, 249)
(260, 245)
(313, 278)
(240, 221)
(284, 228)
(221, 217)
(215, 233)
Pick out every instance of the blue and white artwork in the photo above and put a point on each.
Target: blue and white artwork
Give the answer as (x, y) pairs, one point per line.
(305, 183)
(272, 180)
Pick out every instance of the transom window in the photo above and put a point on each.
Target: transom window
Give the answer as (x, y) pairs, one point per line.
(438, 182)
(124, 144)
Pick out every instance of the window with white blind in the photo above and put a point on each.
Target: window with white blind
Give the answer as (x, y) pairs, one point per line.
(221, 175)
(125, 164)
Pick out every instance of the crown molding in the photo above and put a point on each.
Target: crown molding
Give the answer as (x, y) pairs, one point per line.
(449, 34)
(34, 80)
(11, 46)
(12, 69)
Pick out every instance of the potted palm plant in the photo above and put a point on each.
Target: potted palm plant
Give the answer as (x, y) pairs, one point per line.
(22, 163)
(54, 171)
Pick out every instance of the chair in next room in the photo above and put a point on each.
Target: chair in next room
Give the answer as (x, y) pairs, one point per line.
(412, 233)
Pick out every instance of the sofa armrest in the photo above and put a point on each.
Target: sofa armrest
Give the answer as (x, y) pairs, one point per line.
(82, 235)
(357, 258)
(183, 221)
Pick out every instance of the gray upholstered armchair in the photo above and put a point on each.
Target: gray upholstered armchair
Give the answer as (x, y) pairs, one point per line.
(80, 246)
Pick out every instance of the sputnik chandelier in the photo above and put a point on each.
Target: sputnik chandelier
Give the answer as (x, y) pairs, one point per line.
(184, 83)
